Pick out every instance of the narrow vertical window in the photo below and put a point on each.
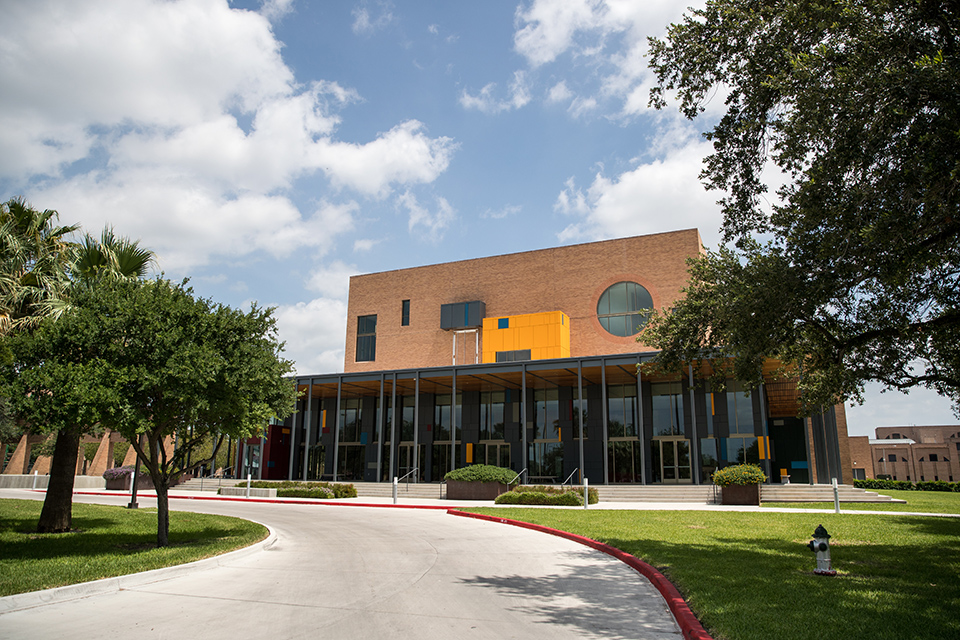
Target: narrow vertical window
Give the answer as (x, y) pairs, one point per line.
(405, 314)
(366, 338)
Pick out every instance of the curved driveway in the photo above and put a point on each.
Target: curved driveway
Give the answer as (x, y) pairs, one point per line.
(356, 572)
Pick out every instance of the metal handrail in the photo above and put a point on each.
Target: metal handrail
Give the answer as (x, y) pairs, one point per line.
(414, 470)
(572, 473)
(516, 476)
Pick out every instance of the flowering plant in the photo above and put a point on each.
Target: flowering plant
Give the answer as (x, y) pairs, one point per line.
(117, 473)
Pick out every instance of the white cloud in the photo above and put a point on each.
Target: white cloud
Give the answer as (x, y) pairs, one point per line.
(365, 244)
(487, 102)
(549, 27)
(274, 10)
(366, 21)
(332, 280)
(422, 222)
(191, 127)
(314, 333)
(559, 92)
(499, 214)
(661, 195)
(894, 409)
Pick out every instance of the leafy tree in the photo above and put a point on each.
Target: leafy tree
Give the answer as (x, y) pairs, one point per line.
(851, 274)
(147, 358)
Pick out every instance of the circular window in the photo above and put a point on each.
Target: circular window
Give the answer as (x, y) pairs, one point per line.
(619, 308)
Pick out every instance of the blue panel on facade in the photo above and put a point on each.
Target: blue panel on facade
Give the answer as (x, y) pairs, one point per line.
(503, 323)
(363, 438)
(799, 465)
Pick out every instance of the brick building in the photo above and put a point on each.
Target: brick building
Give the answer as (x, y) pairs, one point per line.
(908, 453)
(506, 360)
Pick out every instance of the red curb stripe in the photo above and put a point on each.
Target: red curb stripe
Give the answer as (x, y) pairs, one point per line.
(690, 627)
(270, 500)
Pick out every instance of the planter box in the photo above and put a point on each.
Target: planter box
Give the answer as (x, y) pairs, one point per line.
(123, 484)
(459, 490)
(741, 494)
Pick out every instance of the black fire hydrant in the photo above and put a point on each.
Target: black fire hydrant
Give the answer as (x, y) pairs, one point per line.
(821, 546)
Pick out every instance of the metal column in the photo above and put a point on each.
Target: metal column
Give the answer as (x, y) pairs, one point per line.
(306, 439)
(644, 446)
(416, 427)
(580, 405)
(695, 461)
(336, 431)
(765, 433)
(523, 420)
(606, 424)
(380, 431)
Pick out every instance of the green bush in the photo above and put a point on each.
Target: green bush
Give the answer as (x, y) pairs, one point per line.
(338, 489)
(741, 474)
(936, 485)
(878, 484)
(550, 496)
(323, 493)
(481, 473)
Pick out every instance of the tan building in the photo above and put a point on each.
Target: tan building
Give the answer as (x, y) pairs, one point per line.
(912, 453)
(530, 361)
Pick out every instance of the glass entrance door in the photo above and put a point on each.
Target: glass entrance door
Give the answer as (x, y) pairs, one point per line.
(406, 462)
(497, 454)
(623, 460)
(671, 460)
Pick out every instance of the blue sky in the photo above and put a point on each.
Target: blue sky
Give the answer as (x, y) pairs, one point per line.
(269, 150)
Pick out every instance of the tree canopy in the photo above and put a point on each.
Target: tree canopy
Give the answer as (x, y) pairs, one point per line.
(850, 271)
(147, 357)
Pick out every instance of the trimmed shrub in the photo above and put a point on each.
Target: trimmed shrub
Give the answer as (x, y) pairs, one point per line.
(323, 493)
(876, 484)
(741, 474)
(293, 489)
(547, 496)
(936, 485)
(481, 473)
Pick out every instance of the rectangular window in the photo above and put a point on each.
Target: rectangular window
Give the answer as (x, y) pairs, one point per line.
(405, 314)
(892, 457)
(933, 457)
(366, 338)
(491, 415)
(546, 414)
(667, 408)
(739, 409)
(503, 323)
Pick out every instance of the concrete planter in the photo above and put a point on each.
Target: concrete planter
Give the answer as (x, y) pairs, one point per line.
(459, 490)
(741, 494)
(123, 484)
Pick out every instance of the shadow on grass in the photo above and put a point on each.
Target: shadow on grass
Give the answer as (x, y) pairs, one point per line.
(602, 599)
(767, 589)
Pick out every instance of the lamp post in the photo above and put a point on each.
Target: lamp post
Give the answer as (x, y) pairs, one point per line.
(136, 480)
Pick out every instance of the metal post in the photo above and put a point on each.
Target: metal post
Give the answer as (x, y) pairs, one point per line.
(394, 489)
(580, 404)
(523, 420)
(605, 418)
(35, 472)
(643, 443)
(836, 496)
(336, 431)
(695, 460)
(134, 479)
(416, 426)
(248, 483)
(586, 492)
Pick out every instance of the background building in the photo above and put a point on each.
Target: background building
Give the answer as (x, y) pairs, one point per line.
(507, 360)
(908, 453)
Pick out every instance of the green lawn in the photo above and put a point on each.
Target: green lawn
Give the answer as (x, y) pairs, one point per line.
(917, 501)
(108, 541)
(748, 576)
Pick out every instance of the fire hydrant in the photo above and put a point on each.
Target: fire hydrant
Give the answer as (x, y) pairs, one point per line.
(821, 546)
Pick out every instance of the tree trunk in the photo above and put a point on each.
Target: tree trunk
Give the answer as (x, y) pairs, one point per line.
(57, 513)
(163, 511)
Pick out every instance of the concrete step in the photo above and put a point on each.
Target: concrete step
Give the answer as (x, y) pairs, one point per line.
(819, 493)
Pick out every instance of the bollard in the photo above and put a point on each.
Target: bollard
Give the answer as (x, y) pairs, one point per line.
(836, 496)
(395, 489)
(248, 485)
(586, 493)
(35, 480)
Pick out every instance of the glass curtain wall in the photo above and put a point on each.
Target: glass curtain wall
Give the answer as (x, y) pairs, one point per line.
(670, 450)
(545, 449)
(709, 451)
(742, 445)
(351, 447)
(624, 446)
(443, 435)
(492, 448)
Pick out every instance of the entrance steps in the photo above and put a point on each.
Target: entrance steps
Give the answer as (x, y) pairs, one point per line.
(702, 494)
(208, 484)
(818, 493)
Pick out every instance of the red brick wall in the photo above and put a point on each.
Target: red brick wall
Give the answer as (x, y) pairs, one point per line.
(569, 279)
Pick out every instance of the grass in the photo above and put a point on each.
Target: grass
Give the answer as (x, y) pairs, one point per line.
(917, 501)
(748, 576)
(107, 541)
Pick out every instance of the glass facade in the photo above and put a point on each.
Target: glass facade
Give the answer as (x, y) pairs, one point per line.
(369, 427)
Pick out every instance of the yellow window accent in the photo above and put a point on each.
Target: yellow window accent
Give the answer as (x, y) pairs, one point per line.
(469, 453)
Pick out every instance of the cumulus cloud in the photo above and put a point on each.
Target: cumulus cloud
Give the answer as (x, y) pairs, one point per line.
(659, 195)
(367, 20)
(499, 214)
(487, 102)
(180, 123)
(607, 38)
(314, 332)
(423, 222)
(332, 280)
(274, 10)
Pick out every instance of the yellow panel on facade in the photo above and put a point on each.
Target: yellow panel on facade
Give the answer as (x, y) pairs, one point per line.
(546, 335)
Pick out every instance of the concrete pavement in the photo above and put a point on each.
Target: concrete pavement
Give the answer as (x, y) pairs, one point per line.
(340, 571)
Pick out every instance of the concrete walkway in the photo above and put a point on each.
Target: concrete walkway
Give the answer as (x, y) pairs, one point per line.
(341, 571)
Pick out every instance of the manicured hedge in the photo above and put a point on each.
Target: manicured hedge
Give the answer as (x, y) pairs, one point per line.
(546, 495)
(481, 473)
(294, 489)
(741, 474)
(906, 485)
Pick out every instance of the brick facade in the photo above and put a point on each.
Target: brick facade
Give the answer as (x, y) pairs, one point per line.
(569, 279)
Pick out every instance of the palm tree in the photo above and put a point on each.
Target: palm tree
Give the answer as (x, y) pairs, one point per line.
(110, 256)
(35, 260)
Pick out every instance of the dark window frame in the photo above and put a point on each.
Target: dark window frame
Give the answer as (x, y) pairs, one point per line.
(367, 338)
(405, 313)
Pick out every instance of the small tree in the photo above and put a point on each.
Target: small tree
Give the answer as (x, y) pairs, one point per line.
(148, 358)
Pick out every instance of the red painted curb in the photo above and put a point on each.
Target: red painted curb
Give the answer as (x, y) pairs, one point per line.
(690, 627)
(271, 500)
